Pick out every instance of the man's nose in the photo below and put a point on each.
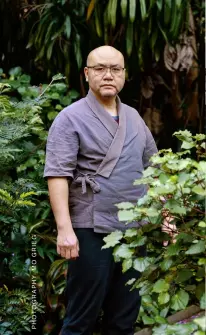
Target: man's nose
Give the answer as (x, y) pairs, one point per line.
(108, 73)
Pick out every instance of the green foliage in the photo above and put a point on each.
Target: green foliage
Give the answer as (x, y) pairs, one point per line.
(144, 26)
(172, 276)
(25, 114)
(16, 309)
(59, 40)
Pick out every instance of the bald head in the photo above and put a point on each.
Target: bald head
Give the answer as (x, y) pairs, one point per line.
(105, 53)
(105, 72)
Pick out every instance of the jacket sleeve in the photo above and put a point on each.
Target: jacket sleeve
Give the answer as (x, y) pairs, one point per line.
(62, 148)
(150, 148)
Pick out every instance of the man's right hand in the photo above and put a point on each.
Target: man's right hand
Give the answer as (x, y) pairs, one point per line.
(67, 244)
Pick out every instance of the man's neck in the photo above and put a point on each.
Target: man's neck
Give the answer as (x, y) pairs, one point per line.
(109, 104)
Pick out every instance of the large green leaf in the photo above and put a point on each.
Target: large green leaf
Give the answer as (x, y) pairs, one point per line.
(184, 275)
(132, 10)
(163, 298)
(123, 251)
(180, 300)
(67, 25)
(166, 264)
(139, 241)
(113, 13)
(126, 264)
(124, 8)
(141, 263)
(143, 9)
(129, 38)
(161, 286)
(148, 320)
(131, 232)
(126, 215)
(175, 207)
(112, 239)
(173, 249)
(196, 248)
(199, 190)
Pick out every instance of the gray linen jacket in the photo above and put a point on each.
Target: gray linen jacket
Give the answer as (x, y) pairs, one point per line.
(101, 158)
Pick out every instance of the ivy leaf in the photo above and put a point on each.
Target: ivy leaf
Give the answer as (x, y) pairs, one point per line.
(140, 240)
(123, 251)
(184, 237)
(126, 264)
(130, 232)
(196, 248)
(199, 190)
(166, 264)
(173, 249)
(112, 239)
(160, 319)
(163, 298)
(141, 263)
(180, 300)
(126, 215)
(174, 207)
(147, 320)
(149, 171)
(187, 145)
(160, 286)
(184, 275)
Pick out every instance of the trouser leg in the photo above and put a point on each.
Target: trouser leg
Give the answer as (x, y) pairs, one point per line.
(121, 306)
(87, 283)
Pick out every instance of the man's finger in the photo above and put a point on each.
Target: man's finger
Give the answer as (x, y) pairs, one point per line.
(74, 253)
(63, 251)
(58, 250)
(68, 253)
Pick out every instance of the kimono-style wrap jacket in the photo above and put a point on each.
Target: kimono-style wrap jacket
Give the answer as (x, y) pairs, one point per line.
(102, 158)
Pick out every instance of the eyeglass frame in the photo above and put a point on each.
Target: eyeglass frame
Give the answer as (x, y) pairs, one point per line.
(107, 67)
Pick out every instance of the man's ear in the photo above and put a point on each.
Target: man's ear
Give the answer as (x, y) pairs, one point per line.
(86, 73)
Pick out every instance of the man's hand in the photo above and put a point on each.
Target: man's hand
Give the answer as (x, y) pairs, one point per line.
(169, 228)
(67, 244)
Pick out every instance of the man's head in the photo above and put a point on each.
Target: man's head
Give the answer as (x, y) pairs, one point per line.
(105, 71)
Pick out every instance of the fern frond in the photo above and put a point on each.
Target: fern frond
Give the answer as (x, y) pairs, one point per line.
(6, 197)
(27, 194)
(24, 203)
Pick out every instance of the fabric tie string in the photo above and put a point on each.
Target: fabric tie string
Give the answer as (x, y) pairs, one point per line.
(85, 180)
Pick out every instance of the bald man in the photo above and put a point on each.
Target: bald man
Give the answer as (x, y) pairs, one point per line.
(96, 148)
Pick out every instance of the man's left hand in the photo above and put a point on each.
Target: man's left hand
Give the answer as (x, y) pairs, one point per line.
(169, 228)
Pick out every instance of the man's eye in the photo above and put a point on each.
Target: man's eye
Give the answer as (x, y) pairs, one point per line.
(99, 69)
(116, 69)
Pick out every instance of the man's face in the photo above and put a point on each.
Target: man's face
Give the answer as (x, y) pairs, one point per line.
(105, 72)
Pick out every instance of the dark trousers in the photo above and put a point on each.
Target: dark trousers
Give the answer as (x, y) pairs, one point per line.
(94, 283)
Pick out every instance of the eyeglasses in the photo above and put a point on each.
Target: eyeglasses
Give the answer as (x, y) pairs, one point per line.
(100, 70)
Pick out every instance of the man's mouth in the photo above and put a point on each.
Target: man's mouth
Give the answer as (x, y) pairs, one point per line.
(111, 86)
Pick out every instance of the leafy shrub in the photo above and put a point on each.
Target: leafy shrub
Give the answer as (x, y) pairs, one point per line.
(25, 114)
(172, 276)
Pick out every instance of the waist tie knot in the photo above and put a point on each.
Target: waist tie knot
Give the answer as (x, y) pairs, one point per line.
(85, 180)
